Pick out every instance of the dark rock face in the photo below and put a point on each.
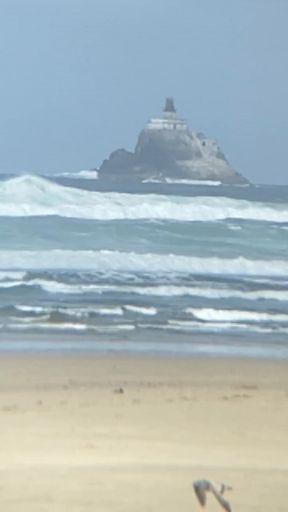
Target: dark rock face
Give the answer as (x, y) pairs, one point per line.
(158, 147)
(119, 161)
(168, 149)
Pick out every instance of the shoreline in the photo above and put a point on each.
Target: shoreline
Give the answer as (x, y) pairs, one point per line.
(210, 346)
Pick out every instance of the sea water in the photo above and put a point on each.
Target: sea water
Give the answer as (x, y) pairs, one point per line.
(192, 270)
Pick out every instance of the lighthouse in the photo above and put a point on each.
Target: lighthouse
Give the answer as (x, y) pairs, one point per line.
(169, 119)
(169, 107)
(167, 149)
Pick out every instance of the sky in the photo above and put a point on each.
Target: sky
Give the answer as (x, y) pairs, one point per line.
(80, 78)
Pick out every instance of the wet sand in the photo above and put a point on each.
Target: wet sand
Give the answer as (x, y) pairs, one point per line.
(124, 433)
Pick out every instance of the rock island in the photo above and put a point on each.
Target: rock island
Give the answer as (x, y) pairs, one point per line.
(168, 151)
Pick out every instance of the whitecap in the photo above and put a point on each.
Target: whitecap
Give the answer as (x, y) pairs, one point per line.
(116, 261)
(86, 174)
(108, 311)
(49, 326)
(182, 325)
(150, 311)
(69, 327)
(171, 181)
(227, 315)
(12, 275)
(33, 309)
(35, 196)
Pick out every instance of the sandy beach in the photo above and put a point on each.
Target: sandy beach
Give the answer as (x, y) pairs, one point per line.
(123, 433)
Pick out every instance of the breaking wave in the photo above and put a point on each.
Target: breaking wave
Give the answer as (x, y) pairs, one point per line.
(85, 174)
(54, 287)
(171, 181)
(36, 196)
(217, 327)
(116, 261)
(229, 315)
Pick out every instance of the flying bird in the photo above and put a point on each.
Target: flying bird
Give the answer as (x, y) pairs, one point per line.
(201, 487)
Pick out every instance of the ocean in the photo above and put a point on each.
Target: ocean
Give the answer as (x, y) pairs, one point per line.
(180, 269)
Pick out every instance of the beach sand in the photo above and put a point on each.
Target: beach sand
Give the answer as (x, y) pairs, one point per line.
(124, 433)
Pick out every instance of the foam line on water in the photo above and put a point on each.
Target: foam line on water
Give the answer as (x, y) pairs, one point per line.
(227, 315)
(116, 261)
(36, 196)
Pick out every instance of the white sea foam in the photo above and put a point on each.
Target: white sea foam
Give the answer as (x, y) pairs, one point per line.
(35, 196)
(150, 311)
(82, 312)
(76, 312)
(113, 328)
(111, 311)
(56, 287)
(193, 326)
(69, 326)
(168, 290)
(116, 261)
(209, 293)
(182, 325)
(14, 275)
(227, 315)
(183, 182)
(86, 174)
(52, 286)
(234, 227)
(49, 326)
(29, 319)
(10, 284)
(33, 309)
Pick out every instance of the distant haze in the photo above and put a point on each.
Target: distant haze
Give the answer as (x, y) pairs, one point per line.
(80, 78)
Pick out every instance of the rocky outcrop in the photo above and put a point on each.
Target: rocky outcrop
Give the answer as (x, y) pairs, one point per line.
(168, 150)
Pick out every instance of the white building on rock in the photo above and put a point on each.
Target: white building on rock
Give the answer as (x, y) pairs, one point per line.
(169, 120)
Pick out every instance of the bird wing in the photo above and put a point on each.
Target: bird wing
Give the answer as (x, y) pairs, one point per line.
(224, 503)
(200, 493)
(224, 487)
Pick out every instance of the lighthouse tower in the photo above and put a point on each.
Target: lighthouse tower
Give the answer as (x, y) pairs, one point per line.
(169, 109)
(169, 119)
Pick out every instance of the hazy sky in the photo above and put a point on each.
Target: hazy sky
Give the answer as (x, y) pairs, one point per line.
(80, 78)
